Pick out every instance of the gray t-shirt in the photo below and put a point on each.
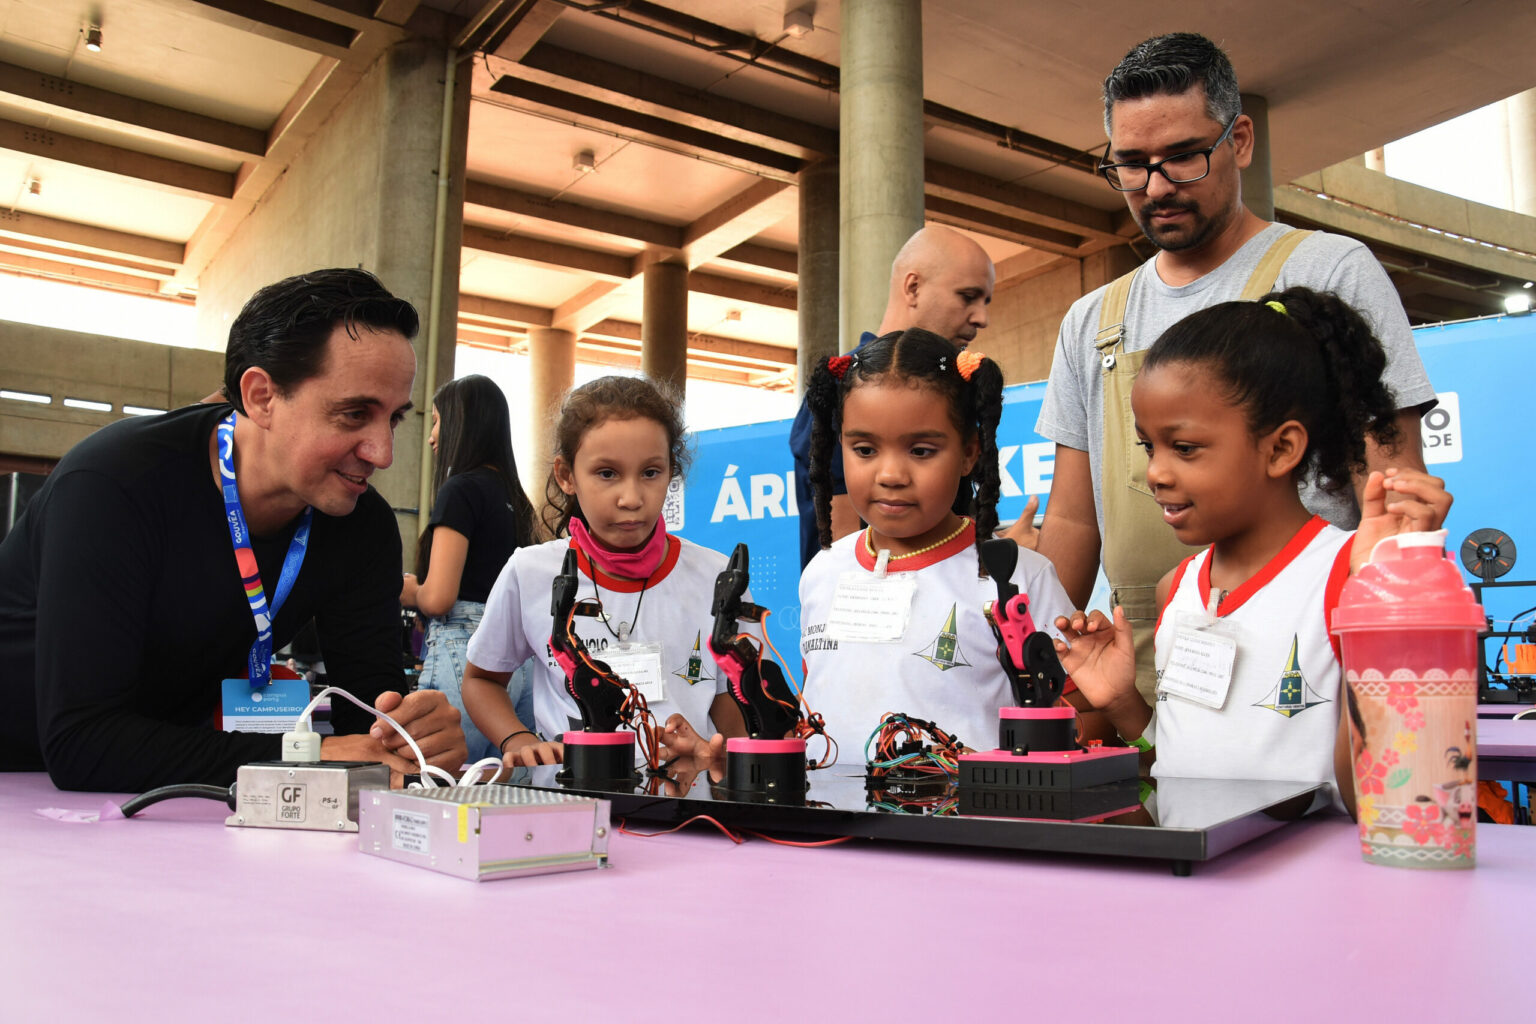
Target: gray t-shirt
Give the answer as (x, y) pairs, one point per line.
(1072, 413)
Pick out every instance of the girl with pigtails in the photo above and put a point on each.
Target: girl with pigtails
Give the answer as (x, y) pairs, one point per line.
(891, 616)
(1234, 406)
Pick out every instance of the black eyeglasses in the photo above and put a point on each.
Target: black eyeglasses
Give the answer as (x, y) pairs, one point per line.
(1181, 168)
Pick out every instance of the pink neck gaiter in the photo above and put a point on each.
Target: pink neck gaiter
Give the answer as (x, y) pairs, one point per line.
(635, 565)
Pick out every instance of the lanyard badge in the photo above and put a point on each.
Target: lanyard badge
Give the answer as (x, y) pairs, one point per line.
(245, 558)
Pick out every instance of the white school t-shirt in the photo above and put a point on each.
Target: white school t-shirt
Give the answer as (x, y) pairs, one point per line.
(944, 669)
(674, 610)
(1281, 715)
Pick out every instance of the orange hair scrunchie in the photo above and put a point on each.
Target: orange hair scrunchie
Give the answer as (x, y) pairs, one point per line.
(966, 362)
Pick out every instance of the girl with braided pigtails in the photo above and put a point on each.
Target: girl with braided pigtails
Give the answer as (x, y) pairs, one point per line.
(891, 616)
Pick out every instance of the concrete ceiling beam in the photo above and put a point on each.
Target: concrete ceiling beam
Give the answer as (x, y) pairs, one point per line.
(751, 292)
(743, 216)
(756, 159)
(89, 239)
(520, 29)
(600, 79)
(305, 30)
(593, 304)
(989, 222)
(950, 182)
(29, 247)
(767, 257)
(755, 351)
(503, 311)
(175, 175)
(568, 214)
(611, 266)
(63, 270)
(88, 104)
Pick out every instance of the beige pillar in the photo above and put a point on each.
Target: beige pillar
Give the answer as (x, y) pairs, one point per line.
(664, 325)
(1258, 184)
(880, 152)
(817, 268)
(1521, 111)
(551, 372)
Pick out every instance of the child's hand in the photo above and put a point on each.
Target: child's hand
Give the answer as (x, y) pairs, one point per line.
(1098, 655)
(533, 753)
(1398, 501)
(679, 742)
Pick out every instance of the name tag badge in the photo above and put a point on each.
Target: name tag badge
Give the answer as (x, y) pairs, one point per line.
(274, 708)
(871, 609)
(1199, 667)
(640, 664)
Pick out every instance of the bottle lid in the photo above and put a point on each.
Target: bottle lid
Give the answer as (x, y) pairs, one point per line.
(1409, 582)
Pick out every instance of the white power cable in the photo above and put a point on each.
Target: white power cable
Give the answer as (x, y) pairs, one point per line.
(429, 773)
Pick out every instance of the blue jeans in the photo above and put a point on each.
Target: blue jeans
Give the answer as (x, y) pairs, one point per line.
(443, 664)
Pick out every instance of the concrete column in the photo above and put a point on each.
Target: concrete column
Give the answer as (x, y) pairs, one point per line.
(551, 372)
(664, 325)
(1258, 185)
(817, 291)
(881, 152)
(364, 192)
(1521, 110)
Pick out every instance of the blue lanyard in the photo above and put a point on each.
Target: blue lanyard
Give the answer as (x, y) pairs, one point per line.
(245, 558)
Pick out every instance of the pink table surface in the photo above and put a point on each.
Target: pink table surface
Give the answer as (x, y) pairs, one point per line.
(1497, 737)
(171, 916)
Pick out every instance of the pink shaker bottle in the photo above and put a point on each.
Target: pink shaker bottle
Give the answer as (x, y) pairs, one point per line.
(1408, 626)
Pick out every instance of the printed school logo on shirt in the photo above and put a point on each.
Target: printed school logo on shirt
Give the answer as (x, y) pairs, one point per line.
(944, 650)
(693, 672)
(1291, 695)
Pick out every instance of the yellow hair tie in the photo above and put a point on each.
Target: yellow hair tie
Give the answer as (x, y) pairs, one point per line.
(1277, 306)
(966, 363)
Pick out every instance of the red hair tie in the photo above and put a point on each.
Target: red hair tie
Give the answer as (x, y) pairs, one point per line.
(838, 365)
(966, 363)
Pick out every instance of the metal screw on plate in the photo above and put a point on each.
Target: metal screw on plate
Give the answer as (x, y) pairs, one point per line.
(601, 832)
(239, 819)
(341, 824)
(290, 773)
(528, 837)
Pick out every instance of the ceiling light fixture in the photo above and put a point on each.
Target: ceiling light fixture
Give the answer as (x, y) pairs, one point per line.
(33, 185)
(586, 161)
(1517, 304)
(799, 23)
(93, 38)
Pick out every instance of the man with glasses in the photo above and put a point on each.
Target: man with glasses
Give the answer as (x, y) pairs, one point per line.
(1178, 142)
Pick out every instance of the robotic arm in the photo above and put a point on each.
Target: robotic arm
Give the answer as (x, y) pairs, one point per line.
(1027, 655)
(769, 707)
(604, 698)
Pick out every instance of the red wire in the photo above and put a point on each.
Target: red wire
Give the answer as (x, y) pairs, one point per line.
(732, 836)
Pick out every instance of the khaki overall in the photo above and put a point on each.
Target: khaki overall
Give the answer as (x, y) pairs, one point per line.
(1138, 547)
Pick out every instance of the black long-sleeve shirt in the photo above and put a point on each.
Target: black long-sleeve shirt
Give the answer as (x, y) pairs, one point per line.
(121, 610)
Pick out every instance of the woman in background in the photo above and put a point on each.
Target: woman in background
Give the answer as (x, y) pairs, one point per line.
(480, 517)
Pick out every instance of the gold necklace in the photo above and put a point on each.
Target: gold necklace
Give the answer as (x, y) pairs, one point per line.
(870, 547)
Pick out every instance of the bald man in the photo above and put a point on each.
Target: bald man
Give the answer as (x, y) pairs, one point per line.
(941, 281)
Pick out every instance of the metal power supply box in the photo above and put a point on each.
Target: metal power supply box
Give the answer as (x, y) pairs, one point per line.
(320, 795)
(485, 832)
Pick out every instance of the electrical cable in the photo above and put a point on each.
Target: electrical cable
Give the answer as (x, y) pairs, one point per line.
(154, 796)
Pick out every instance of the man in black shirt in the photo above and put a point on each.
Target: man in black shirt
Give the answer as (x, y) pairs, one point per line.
(122, 605)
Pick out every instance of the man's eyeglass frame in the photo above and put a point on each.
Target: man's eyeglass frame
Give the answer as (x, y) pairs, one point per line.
(1156, 167)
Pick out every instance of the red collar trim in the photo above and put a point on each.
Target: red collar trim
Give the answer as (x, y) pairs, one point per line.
(965, 539)
(1284, 557)
(607, 582)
